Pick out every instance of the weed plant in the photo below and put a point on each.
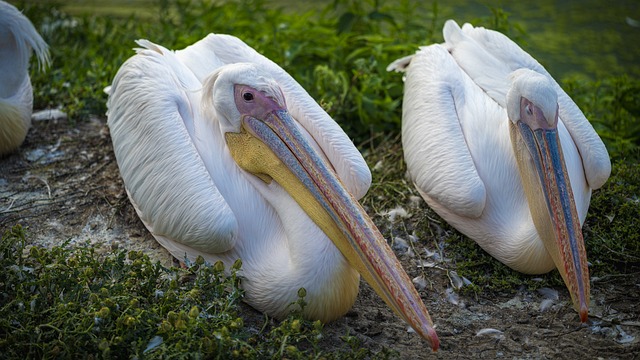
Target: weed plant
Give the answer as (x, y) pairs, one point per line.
(72, 303)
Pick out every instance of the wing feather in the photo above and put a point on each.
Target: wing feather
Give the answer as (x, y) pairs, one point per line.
(150, 116)
(25, 37)
(434, 144)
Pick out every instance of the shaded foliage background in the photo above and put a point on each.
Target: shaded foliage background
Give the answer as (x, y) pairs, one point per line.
(339, 54)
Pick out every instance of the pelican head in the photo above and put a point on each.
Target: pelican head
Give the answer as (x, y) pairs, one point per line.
(267, 142)
(532, 107)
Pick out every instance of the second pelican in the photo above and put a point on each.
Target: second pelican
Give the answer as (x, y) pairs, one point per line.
(498, 149)
(225, 155)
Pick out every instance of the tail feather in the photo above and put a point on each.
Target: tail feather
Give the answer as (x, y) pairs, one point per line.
(25, 34)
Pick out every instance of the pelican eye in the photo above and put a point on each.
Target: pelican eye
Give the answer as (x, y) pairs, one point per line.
(247, 96)
(528, 110)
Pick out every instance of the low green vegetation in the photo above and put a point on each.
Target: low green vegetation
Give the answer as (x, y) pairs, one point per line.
(611, 231)
(71, 302)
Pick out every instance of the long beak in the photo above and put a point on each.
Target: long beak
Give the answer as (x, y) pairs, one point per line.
(554, 213)
(280, 152)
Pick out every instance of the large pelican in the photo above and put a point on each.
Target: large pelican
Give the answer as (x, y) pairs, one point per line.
(498, 150)
(224, 155)
(17, 39)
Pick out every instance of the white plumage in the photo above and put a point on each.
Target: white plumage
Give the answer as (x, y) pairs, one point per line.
(18, 38)
(175, 120)
(461, 102)
(188, 190)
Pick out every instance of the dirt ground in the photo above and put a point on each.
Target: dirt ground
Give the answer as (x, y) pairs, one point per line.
(64, 183)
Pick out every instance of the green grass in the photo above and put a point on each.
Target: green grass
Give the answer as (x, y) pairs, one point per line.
(70, 302)
(67, 302)
(612, 236)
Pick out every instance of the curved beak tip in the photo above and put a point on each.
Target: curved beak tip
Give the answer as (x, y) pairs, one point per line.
(429, 334)
(584, 314)
(434, 341)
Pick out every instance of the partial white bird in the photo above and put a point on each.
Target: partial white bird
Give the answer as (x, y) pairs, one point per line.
(18, 38)
(500, 151)
(223, 154)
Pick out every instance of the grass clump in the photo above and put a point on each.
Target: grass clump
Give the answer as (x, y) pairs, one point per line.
(612, 105)
(611, 231)
(75, 303)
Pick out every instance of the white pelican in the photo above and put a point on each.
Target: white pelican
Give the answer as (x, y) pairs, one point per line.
(489, 139)
(224, 155)
(17, 38)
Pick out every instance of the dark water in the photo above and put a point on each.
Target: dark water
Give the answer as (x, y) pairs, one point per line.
(585, 38)
(590, 38)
